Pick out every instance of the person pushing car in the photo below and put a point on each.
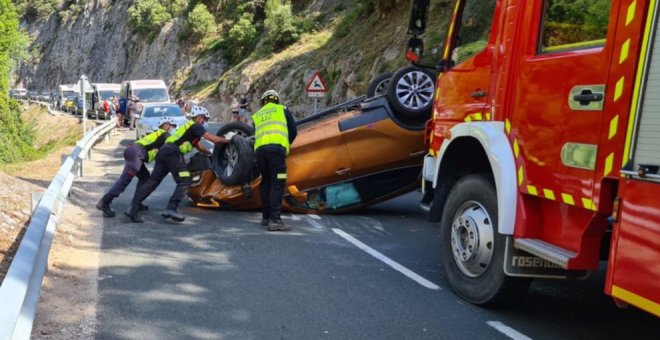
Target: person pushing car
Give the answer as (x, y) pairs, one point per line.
(275, 130)
(142, 151)
(170, 160)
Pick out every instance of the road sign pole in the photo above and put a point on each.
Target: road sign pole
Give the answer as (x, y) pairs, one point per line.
(316, 105)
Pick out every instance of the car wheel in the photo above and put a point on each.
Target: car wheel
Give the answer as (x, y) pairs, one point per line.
(241, 129)
(472, 250)
(411, 92)
(378, 86)
(234, 163)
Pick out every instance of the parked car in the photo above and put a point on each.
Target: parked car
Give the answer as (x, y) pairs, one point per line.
(44, 96)
(33, 95)
(20, 93)
(151, 114)
(71, 104)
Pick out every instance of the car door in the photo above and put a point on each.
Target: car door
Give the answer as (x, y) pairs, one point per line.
(318, 156)
(465, 83)
(561, 66)
(634, 270)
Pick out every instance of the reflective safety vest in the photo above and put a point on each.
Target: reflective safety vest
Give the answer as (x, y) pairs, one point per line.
(186, 146)
(270, 126)
(151, 143)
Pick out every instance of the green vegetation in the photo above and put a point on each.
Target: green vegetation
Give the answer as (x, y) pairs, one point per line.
(16, 136)
(37, 9)
(281, 26)
(575, 21)
(242, 38)
(200, 24)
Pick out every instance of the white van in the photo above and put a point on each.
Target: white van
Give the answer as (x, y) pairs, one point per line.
(149, 91)
(102, 92)
(66, 90)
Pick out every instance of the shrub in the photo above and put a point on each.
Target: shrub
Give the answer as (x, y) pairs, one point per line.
(200, 24)
(148, 15)
(281, 26)
(242, 38)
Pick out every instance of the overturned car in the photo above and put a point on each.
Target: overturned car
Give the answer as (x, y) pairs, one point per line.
(353, 155)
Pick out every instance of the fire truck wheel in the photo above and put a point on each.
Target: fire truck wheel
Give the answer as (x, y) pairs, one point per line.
(378, 86)
(410, 92)
(472, 250)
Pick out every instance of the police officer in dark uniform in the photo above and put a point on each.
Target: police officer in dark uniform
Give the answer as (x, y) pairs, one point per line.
(144, 150)
(275, 130)
(170, 160)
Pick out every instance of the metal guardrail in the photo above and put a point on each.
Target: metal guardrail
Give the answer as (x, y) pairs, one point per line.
(20, 290)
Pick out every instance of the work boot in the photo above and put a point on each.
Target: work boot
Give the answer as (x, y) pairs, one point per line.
(143, 207)
(264, 222)
(278, 225)
(104, 206)
(134, 216)
(169, 213)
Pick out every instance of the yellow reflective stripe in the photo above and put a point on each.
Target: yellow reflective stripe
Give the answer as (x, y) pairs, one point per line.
(631, 12)
(184, 174)
(272, 132)
(520, 175)
(614, 125)
(588, 203)
(608, 164)
(568, 199)
(532, 190)
(263, 125)
(516, 148)
(281, 176)
(625, 48)
(549, 194)
(507, 126)
(638, 79)
(636, 300)
(619, 88)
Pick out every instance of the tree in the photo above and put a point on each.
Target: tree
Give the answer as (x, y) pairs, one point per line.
(280, 25)
(242, 37)
(16, 136)
(200, 23)
(148, 15)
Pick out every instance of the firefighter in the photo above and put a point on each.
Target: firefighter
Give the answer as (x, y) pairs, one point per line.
(275, 130)
(170, 160)
(142, 151)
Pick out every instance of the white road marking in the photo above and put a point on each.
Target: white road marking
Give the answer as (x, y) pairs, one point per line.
(508, 331)
(314, 222)
(314, 216)
(396, 266)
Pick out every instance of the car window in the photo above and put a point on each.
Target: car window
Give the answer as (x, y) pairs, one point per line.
(570, 24)
(474, 29)
(108, 94)
(162, 111)
(151, 95)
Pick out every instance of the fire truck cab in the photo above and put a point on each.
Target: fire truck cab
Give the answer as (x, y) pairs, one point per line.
(544, 145)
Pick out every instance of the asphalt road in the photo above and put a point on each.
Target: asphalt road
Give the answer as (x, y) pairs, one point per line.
(220, 275)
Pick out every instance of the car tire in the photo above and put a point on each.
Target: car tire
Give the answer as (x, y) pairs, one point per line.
(410, 92)
(378, 86)
(472, 250)
(241, 129)
(234, 163)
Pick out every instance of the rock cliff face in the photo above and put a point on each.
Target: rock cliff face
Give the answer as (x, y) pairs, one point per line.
(99, 43)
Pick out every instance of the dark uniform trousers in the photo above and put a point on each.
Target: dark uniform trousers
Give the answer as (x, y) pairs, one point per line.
(169, 159)
(272, 165)
(135, 155)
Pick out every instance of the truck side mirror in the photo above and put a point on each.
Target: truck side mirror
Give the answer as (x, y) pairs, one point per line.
(419, 10)
(415, 49)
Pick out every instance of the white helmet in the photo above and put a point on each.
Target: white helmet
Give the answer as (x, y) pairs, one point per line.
(164, 120)
(199, 111)
(270, 95)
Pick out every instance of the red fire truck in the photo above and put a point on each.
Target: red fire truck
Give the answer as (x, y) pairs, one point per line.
(544, 144)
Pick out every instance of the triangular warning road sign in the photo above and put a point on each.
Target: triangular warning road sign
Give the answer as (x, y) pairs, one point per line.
(316, 84)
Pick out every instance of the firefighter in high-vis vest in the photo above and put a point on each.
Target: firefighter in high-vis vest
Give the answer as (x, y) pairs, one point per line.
(136, 155)
(170, 160)
(275, 130)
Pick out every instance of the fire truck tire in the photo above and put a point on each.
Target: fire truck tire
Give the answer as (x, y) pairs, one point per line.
(378, 85)
(472, 250)
(410, 92)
